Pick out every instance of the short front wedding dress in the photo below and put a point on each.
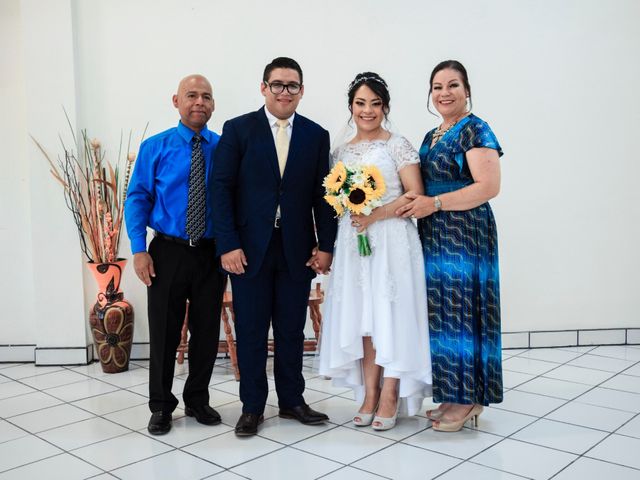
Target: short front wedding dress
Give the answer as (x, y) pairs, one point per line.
(382, 295)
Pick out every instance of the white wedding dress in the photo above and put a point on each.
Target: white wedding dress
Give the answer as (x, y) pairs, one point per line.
(382, 295)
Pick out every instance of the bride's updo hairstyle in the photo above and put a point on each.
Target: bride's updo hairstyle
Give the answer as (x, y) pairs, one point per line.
(376, 83)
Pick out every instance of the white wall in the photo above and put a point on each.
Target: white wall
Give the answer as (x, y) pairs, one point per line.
(556, 80)
(17, 320)
(42, 282)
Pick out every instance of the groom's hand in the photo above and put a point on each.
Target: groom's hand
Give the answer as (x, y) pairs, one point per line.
(234, 261)
(313, 260)
(324, 262)
(320, 261)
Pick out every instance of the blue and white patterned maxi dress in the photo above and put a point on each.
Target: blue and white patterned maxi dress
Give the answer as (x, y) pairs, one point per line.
(461, 264)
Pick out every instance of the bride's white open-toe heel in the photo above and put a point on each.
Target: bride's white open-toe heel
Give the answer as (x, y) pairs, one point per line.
(384, 423)
(363, 419)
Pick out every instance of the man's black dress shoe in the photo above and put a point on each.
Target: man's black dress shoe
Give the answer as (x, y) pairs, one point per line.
(159, 423)
(204, 414)
(304, 414)
(248, 424)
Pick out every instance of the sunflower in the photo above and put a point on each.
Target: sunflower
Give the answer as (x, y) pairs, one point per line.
(375, 180)
(358, 198)
(334, 201)
(334, 181)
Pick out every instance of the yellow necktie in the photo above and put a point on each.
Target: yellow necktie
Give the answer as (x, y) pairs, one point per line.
(282, 144)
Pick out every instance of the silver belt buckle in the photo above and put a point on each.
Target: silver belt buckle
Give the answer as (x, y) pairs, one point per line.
(192, 243)
(276, 222)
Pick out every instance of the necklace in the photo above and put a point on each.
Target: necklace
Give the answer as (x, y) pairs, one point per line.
(441, 132)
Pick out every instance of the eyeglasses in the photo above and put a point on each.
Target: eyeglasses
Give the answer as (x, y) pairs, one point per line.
(277, 88)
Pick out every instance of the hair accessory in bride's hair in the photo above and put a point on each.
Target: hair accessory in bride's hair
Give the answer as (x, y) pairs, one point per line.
(362, 79)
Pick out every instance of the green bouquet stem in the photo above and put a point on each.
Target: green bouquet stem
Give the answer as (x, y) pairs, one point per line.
(363, 245)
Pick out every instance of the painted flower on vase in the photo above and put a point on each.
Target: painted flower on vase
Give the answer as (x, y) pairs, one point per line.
(111, 343)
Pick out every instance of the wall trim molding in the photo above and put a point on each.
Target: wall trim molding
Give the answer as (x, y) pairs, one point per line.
(571, 338)
(140, 351)
(17, 353)
(30, 353)
(64, 355)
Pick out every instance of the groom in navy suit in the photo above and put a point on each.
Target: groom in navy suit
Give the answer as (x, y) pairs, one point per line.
(274, 232)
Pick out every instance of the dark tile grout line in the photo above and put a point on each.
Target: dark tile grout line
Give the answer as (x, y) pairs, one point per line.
(567, 401)
(95, 415)
(283, 445)
(395, 442)
(584, 454)
(542, 375)
(535, 417)
(331, 396)
(70, 452)
(462, 460)
(201, 440)
(159, 440)
(336, 425)
(71, 402)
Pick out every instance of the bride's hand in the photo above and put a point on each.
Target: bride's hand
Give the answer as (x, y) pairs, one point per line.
(361, 222)
(420, 206)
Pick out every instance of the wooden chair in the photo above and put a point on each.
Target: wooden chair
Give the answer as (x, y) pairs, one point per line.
(228, 346)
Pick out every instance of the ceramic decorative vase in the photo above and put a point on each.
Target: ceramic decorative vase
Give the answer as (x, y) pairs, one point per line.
(111, 318)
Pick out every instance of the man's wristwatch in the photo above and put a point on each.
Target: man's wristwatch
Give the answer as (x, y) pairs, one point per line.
(437, 203)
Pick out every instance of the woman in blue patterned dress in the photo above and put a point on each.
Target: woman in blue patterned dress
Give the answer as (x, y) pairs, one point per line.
(461, 171)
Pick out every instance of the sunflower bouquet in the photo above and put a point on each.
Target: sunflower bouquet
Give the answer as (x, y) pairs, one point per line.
(356, 190)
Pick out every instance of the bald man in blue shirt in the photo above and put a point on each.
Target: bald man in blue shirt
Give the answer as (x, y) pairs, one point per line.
(169, 192)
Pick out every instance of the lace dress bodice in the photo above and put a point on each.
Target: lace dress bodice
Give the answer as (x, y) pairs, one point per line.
(390, 156)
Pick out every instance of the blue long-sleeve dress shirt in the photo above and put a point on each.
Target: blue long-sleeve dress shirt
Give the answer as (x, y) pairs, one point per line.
(159, 188)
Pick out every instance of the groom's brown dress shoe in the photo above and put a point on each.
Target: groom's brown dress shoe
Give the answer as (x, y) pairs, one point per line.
(304, 414)
(248, 424)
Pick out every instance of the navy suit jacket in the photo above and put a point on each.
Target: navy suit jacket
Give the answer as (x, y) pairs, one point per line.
(247, 188)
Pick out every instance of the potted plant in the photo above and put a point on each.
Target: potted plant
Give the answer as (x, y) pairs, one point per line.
(94, 192)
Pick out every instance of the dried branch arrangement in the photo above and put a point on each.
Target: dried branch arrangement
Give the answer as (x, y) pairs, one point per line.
(94, 192)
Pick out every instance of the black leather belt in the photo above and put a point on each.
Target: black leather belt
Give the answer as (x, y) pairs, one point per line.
(203, 242)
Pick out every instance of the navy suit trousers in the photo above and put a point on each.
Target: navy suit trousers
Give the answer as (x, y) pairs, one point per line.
(270, 296)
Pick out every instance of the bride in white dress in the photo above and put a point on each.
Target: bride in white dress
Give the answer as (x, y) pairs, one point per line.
(375, 336)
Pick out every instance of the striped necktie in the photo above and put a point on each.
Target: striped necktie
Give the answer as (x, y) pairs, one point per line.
(196, 206)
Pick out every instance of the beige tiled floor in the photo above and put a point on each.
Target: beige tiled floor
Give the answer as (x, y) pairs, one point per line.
(568, 414)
